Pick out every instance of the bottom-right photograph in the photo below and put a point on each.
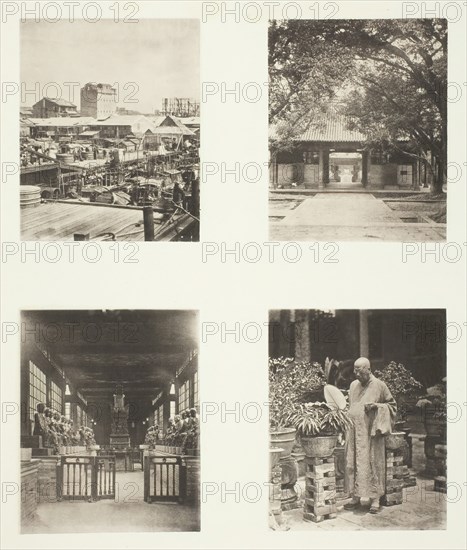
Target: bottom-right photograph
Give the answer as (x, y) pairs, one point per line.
(358, 423)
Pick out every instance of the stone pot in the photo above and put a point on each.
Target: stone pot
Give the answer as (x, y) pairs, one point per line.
(434, 426)
(283, 439)
(274, 457)
(319, 446)
(395, 440)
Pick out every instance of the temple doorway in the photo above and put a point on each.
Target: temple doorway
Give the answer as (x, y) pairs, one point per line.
(345, 170)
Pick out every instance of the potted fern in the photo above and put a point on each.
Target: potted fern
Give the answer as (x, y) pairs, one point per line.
(319, 426)
(289, 383)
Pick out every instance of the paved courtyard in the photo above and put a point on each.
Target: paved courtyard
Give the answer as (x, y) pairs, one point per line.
(421, 509)
(346, 216)
(127, 513)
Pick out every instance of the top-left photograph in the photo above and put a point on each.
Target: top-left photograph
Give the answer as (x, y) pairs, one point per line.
(110, 130)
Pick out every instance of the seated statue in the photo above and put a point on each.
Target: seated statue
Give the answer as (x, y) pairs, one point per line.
(40, 422)
(191, 440)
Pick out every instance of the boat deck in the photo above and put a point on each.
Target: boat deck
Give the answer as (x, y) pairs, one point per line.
(59, 221)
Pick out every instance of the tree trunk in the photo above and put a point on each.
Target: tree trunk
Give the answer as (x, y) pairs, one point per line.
(439, 177)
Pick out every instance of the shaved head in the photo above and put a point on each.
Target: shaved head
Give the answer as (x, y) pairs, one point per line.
(362, 370)
(362, 363)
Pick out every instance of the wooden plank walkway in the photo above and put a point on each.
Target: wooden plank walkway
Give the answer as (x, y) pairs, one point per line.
(60, 221)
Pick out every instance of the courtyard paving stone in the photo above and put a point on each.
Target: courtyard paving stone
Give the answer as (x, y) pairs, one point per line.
(349, 217)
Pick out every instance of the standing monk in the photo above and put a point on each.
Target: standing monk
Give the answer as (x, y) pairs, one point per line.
(373, 410)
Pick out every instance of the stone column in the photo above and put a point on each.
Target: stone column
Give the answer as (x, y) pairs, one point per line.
(302, 335)
(365, 167)
(364, 340)
(415, 178)
(320, 169)
(325, 167)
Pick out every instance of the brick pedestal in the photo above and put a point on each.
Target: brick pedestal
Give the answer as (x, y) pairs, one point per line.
(440, 458)
(192, 480)
(320, 491)
(431, 460)
(342, 497)
(395, 470)
(29, 479)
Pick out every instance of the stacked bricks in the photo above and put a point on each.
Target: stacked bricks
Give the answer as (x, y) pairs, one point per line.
(320, 490)
(441, 460)
(28, 492)
(342, 497)
(276, 491)
(395, 470)
(47, 479)
(407, 476)
(431, 442)
(192, 480)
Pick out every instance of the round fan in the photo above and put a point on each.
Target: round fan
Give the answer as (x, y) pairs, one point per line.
(334, 397)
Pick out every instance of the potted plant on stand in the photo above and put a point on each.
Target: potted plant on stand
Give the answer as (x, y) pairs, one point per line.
(288, 383)
(404, 388)
(433, 407)
(319, 427)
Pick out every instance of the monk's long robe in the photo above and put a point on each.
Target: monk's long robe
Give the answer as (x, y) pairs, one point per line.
(365, 454)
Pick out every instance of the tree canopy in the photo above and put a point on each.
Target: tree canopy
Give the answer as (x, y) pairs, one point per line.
(389, 75)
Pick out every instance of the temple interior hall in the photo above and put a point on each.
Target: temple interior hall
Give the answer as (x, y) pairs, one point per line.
(109, 421)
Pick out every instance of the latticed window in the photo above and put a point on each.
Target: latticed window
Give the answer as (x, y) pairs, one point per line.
(68, 410)
(160, 416)
(195, 391)
(184, 397)
(79, 415)
(37, 388)
(311, 157)
(56, 397)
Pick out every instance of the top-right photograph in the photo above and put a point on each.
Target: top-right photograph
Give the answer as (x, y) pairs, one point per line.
(358, 130)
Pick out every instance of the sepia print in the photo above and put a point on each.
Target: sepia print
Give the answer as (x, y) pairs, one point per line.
(109, 421)
(358, 419)
(358, 129)
(109, 138)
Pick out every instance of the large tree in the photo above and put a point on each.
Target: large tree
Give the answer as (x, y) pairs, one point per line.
(391, 76)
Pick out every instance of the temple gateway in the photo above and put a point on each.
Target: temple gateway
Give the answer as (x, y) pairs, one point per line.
(331, 155)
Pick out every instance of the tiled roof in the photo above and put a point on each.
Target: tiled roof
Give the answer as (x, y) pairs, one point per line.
(61, 102)
(331, 127)
(120, 120)
(62, 121)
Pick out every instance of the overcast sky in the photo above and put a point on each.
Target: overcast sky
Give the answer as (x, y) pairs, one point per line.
(161, 56)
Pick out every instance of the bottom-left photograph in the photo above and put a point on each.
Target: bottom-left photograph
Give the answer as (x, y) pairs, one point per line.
(109, 421)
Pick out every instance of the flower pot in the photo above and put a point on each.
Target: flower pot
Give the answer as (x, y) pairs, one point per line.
(395, 440)
(319, 446)
(283, 439)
